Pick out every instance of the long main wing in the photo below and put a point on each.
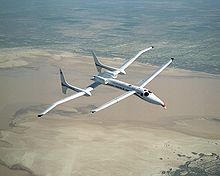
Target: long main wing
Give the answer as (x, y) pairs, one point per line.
(129, 62)
(144, 82)
(115, 100)
(74, 96)
(61, 101)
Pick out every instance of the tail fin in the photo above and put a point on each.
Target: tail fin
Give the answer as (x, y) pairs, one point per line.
(64, 84)
(98, 64)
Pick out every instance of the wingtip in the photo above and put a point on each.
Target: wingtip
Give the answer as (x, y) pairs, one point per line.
(152, 46)
(39, 115)
(94, 111)
(172, 58)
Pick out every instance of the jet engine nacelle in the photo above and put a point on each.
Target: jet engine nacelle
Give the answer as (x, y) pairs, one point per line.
(122, 72)
(100, 79)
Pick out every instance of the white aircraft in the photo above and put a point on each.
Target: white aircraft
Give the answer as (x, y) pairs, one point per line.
(108, 77)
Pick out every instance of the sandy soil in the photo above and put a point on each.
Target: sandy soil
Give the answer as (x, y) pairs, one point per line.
(130, 138)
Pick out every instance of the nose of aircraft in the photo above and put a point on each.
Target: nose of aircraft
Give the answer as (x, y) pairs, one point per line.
(164, 106)
(156, 100)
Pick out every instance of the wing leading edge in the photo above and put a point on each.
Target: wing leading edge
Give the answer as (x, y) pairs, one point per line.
(61, 101)
(74, 96)
(115, 100)
(129, 62)
(145, 81)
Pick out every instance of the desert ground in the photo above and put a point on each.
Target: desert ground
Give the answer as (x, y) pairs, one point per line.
(132, 137)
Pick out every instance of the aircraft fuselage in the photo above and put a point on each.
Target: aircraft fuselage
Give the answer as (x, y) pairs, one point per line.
(142, 93)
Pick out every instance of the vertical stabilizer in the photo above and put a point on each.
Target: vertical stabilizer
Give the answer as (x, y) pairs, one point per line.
(98, 64)
(64, 84)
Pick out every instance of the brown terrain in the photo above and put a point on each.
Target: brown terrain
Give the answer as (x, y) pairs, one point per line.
(132, 137)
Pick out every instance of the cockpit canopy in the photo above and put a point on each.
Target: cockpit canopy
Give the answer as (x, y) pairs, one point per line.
(146, 93)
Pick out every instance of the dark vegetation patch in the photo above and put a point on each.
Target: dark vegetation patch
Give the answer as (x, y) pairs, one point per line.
(203, 165)
(19, 167)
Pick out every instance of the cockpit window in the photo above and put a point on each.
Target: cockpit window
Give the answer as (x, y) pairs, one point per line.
(146, 94)
(149, 91)
(141, 94)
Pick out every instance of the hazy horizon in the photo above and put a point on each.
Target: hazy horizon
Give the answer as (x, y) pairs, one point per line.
(188, 30)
